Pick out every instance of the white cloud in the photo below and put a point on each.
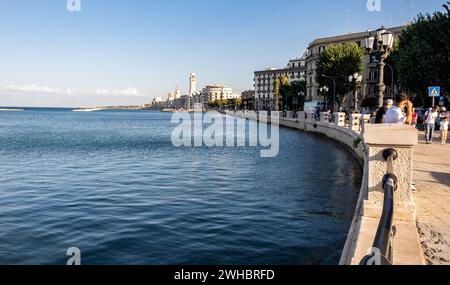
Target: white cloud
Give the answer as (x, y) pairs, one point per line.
(127, 92)
(32, 88)
(102, 92)
(41, 89)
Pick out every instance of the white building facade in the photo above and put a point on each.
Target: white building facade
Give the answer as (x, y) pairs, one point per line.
(216, 92)
(370, 76)
(264, 81)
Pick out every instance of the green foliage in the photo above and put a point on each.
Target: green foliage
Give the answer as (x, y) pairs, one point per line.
(370, 103)
(250, 103)
(281, 85)
(339, 61)
(293, 90)
(423, 56)
(217, 103)
(235, 102)
(223, 102)
(356, 142)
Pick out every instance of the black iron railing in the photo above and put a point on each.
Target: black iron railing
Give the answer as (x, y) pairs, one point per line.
(382, 249)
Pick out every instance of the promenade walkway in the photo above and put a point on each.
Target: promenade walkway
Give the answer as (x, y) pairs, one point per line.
(432, 198)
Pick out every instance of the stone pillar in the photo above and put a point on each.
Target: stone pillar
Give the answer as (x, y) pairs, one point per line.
(311, 116)
(302, 119)
(339, 119)
(365, 120)
(325, 117)
(355, 122)
(402, 139)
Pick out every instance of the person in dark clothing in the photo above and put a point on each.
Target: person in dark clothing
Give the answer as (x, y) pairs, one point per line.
(379, 117)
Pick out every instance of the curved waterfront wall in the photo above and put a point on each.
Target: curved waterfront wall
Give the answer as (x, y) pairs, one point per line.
(367, 143)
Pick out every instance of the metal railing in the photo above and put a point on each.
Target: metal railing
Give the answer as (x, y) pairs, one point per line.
(382, 249)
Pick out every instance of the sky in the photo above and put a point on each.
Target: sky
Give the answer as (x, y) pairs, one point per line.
(127, 52)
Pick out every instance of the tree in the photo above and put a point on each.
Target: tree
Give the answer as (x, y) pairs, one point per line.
(423, 57)
(339, 61)
(295, 90)
(212, 104)
(280, 87)
(249, 103)
(392, 60)
(224, 102)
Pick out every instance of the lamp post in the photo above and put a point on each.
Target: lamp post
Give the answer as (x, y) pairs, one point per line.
(324, 90)
(301, 94)
(334, 90)
(285, 105)
(356, 78)
(380, 46)
(392, 79)
(295, 104)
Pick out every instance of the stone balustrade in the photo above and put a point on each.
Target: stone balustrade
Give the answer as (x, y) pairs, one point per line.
(339, 119)
(311, 116)
(355, 122)
(365, 120)
(367, 142)
(325, 117)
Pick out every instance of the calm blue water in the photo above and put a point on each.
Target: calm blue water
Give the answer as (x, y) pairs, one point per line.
(112, 184)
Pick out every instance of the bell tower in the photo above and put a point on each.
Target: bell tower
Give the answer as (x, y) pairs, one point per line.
(192, 84)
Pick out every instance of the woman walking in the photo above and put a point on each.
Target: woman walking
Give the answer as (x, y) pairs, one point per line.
(444, 130)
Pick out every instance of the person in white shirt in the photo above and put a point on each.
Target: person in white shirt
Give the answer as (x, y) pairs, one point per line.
(397, 114)
(444, 130)
(430, 124)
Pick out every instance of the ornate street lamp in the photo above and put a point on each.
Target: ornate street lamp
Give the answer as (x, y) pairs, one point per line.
(380, 46)
(324, 90)
(356, 78)
(334, 90)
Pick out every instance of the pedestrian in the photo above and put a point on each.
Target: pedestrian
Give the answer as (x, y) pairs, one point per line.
(442, 114)
(430, 124)
(415, 118)
(381, 113)
(444, 130)
(402, 112)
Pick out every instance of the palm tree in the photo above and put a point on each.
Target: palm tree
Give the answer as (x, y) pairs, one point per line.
(279, 83)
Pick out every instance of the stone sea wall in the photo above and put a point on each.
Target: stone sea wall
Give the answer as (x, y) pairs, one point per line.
(367, 143)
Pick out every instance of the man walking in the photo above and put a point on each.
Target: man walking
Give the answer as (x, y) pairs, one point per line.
(430, 124)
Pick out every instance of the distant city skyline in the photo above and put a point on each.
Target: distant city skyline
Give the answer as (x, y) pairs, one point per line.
(129, 52)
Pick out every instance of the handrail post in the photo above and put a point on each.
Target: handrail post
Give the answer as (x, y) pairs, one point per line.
(382, 248)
